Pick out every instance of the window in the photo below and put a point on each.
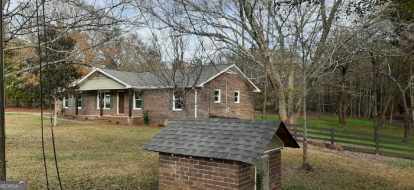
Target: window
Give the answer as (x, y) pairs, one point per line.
(106, 101)
(79, 101)
(178, 101)
(236, 96)
(217, 96)
(138, 101)
(66, 102)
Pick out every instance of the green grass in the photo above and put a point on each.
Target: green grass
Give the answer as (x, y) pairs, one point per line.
(96, 155)
(358, 132)
(353, 124)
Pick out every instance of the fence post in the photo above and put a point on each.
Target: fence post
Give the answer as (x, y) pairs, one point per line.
(332, 136)
(376, 140)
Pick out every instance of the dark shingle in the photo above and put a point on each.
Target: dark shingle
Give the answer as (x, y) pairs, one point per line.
(194, 76)
(238, 140)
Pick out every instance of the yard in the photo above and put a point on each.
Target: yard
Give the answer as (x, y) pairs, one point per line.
(96, 155)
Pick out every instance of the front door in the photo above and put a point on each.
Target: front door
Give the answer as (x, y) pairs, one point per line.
(121, 103)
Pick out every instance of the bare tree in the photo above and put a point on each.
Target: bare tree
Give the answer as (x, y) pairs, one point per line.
(257, 30)
(266, 32)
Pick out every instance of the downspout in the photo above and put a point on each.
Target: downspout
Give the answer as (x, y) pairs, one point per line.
(195, 104)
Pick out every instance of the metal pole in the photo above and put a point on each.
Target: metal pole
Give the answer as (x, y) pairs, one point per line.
(2, 103)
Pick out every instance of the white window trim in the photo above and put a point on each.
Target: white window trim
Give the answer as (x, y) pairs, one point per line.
(238, 96)
(97, 101)
(219, 96)
(105, 94)
(174, 108)
(64, 103)
(135, 102)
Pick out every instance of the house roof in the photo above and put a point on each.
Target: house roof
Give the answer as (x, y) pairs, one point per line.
(197, 76)
(228, 139)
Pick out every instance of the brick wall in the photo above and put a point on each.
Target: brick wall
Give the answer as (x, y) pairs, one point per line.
(159, 105)
(228, 84)
(158, 102)
(186, 173)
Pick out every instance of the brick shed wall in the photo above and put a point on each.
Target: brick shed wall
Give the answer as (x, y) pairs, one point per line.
(186, 173)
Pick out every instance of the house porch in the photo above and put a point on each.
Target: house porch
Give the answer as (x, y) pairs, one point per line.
(115, 105)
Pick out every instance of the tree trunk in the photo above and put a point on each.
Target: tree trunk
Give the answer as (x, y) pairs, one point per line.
(407, 119)
(291, 112)
(283, 114)
(385, 110)
(292, 119)
(305, 164)
(391, 113)
(342, 106)
(359, 103)
(285, 93)
(56, 108)
(407, 127)
(265, 96)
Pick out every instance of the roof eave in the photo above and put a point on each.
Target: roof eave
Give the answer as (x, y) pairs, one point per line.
(104, 73)
(256, 89)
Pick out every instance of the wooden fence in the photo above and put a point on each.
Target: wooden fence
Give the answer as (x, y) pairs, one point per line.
(374, 143)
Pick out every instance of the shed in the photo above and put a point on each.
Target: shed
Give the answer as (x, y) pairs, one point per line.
(220, 154)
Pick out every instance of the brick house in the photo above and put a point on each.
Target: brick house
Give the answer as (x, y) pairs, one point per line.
(211, 91)
(218, 154)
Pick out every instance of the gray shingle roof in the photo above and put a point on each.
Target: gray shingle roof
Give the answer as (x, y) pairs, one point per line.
(195, 76)
(227, 139)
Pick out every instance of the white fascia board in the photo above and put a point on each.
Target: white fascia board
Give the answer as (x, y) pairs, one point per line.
(104, 73)
(85, 77)
(216, 75)
(256, 89)
(114, 78)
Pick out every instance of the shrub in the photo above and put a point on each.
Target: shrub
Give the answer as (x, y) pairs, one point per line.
(146, 118)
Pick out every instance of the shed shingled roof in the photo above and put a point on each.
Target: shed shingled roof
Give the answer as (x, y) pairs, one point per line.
(227, 139)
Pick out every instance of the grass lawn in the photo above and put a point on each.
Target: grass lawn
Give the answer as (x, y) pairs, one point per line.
(357, 125)
(358, 132)
(96, 155)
